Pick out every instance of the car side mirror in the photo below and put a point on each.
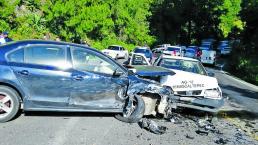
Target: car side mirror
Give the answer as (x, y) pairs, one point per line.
(211, 74)
(117, 73)
(131, 71)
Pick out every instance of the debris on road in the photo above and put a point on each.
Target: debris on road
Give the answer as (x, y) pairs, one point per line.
(152, 126)
(189, 137)
(221, 141)
(202, 132)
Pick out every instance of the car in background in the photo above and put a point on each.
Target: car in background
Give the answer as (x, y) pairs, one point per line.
(208, 55)
(145, 51)
(192, 84)
(59, 76)
(173, 50)
(116, 51)
(191, 52)
(156, 53)
(224, 47)
(162, 47)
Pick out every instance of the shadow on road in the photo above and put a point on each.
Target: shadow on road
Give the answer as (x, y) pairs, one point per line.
(241, 114)
(69, 114)
(242, 92)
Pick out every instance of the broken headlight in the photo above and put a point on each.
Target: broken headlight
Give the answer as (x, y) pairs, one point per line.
(212, 93)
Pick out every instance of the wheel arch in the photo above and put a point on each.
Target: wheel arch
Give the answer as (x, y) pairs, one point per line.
(20, 93)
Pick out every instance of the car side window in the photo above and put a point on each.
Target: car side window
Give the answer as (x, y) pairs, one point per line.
(16, 56)
(49, 55)
(85, 60)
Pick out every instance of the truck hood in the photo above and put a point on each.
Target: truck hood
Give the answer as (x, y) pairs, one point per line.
(185, 81)
(143, 70)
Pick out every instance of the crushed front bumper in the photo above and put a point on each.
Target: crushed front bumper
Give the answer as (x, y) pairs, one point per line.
(204, 104)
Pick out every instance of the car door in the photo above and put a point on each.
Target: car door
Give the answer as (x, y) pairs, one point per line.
(94, 85)
(44, 73)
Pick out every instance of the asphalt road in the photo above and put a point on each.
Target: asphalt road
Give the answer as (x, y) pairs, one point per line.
(98, 129)
(238, 91)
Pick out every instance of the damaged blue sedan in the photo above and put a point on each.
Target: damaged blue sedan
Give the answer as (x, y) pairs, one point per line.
(58, 76)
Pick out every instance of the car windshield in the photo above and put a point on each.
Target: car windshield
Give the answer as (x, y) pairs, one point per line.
(146, 52)
(173, 49)
(184, 65)
(113, 48)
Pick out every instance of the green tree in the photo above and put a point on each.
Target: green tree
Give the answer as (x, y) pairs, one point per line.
(229, 16)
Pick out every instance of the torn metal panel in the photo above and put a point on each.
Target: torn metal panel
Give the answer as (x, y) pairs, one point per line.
(143, 86)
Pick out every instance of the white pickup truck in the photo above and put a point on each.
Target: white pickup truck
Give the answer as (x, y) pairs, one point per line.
(116, 51)
(195, 87)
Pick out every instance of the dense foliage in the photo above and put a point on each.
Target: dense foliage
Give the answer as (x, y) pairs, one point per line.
(139, 22)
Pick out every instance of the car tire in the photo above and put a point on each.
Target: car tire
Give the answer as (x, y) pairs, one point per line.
(137, 113)
(11, 105)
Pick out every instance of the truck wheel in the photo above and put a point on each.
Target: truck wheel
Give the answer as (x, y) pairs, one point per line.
(9, 103)
(133, 111)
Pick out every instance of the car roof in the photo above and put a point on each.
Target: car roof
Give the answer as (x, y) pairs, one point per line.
(116, 45)
(139, 47)
(38, 41)
(178, 57)
(15, 44)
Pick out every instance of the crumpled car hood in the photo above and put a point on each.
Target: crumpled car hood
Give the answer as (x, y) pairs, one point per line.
(185, 81)
(140, 85)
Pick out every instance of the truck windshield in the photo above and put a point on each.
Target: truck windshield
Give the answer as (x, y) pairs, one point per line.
(184, 65)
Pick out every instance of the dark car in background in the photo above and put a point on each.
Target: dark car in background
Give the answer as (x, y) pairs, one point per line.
(193, 52)
(224, 47)
(67, 77)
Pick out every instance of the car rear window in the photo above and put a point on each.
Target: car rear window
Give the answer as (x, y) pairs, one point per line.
(173, 49)
(146, 52)
(190, 50)
(16, 56)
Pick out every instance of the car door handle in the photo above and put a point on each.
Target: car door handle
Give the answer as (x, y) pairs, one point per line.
(77, 78)
(24, 72)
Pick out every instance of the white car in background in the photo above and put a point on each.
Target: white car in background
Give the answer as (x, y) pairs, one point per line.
(208, 57)
(173, 50)
(116, 51)
(194, 86)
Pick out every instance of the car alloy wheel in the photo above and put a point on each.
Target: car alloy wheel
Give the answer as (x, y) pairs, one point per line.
(9, 103)
(6, 105)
